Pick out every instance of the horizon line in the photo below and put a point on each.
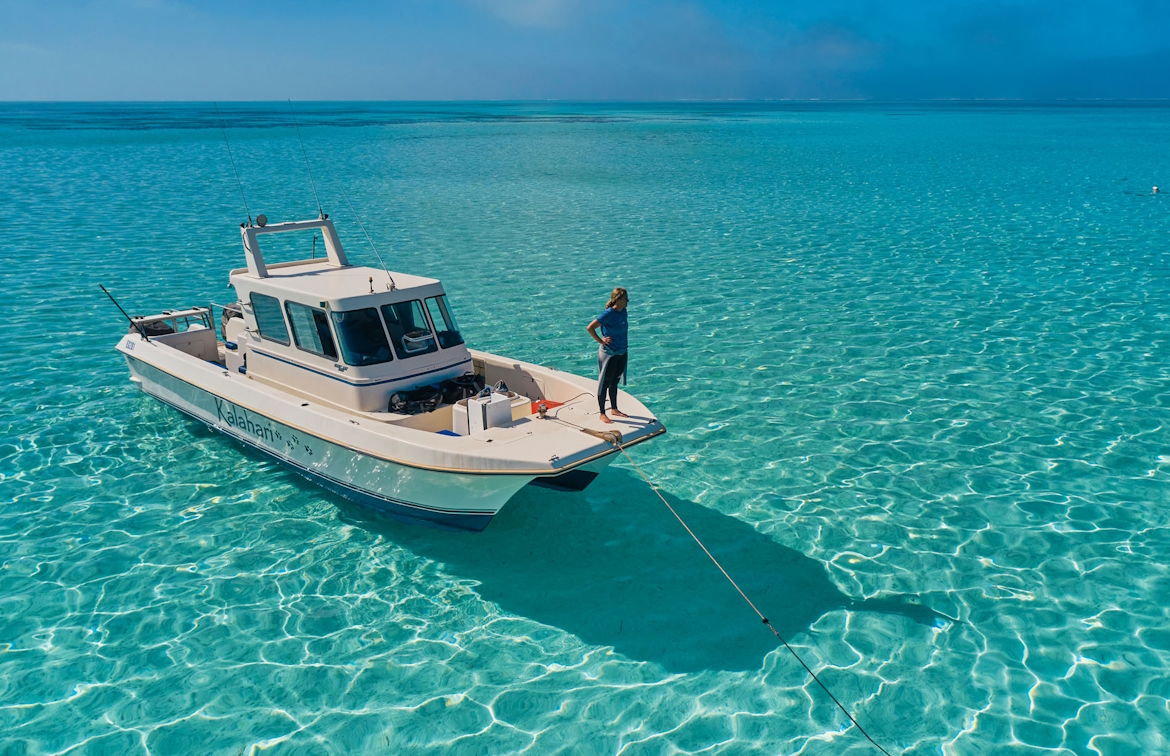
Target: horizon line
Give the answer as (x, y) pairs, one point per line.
(621, 100)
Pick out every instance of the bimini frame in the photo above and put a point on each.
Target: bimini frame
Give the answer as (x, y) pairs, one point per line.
(255, 259)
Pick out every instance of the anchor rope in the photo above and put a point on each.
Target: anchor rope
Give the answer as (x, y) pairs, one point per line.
(617, 445)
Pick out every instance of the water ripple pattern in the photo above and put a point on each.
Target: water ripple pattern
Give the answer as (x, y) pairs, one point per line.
(913, 360)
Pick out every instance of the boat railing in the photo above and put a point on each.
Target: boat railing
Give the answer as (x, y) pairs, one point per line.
(176, 320)
(190, 331)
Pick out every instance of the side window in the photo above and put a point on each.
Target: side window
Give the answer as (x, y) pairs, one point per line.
(311, 330)
(409, 332)
(445, 325)
(360, 334)
(269, 318)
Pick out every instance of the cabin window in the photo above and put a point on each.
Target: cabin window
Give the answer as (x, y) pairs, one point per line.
(269, 319)
(311, 330)
(445, 326)
(409, 332)
(361, 337)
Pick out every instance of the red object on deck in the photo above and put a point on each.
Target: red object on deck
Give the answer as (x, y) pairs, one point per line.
(549, 404)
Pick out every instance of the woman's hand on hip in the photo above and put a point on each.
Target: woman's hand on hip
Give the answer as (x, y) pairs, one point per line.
(592, 328)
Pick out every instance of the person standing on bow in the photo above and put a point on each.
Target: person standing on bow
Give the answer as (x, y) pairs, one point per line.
(611, 356)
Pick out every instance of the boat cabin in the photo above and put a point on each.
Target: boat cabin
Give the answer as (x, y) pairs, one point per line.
(351, 336)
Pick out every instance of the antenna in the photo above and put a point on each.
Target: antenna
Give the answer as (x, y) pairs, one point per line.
(391, 285)
(320, 213)
(229, 149)
(141, 330)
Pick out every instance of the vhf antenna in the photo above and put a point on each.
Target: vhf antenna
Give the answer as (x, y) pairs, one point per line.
(320, 212)
(229, 149)
(391, 285)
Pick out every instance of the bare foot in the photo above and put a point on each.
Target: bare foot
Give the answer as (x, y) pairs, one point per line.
(605, 419)
(615, 413)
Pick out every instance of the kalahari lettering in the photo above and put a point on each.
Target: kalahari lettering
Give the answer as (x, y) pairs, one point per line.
(238, 417)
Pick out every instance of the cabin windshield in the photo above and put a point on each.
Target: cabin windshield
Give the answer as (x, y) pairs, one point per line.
(360, 335)
(408, 328)
(444, 320)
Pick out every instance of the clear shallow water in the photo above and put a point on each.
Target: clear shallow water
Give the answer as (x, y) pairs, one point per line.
(912, 360)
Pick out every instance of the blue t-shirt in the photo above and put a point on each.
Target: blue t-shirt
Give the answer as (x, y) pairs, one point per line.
(616, 325)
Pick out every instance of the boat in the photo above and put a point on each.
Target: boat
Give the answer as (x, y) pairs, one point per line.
(359, 379)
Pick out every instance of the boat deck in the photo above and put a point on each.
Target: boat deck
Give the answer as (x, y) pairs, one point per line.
(570, 433)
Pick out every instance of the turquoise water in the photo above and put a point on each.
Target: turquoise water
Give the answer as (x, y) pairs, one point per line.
(912, 360)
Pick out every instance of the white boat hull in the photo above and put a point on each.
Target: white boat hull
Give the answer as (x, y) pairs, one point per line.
(469, 501)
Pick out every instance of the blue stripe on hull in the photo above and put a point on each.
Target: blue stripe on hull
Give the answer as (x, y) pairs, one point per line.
(332, 377)
(396, 509)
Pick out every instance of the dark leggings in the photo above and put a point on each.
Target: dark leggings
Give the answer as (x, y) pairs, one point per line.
(609, 382)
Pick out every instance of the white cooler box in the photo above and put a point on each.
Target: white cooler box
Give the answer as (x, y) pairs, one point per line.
(474, 416)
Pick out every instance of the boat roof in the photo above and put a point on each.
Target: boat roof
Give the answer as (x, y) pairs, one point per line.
(330, 278)
(320, 279)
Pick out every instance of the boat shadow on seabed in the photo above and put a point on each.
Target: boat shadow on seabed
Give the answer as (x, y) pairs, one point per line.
(614, 568)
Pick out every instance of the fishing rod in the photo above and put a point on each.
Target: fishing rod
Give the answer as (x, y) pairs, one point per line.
(320, 212)
(141, 330)
(233, 160)
(391, 285)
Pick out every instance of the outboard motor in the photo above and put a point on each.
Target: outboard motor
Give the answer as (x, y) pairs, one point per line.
(415, 401)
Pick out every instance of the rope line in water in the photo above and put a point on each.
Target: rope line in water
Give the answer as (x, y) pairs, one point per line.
(654, 488)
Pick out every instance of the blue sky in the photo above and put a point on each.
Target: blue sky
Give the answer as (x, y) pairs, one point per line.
(578, 49)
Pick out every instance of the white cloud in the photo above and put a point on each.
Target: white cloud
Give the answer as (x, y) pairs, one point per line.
(22, 48)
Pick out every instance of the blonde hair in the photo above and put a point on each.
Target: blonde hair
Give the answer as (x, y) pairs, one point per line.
(617, 294)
